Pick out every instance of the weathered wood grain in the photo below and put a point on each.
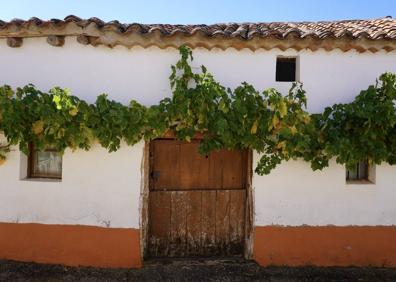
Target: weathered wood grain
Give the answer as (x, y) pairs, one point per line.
(222, 221)
(208, 231)
(194, 223)
(178, 239)
(237, 220)
(165, 174)
(194, 167)
(160, 225)
(197, 203)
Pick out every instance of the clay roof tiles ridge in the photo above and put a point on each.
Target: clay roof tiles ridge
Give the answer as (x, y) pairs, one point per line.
(362, 31)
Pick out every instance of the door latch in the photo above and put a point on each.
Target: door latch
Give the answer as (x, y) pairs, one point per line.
(155, 174)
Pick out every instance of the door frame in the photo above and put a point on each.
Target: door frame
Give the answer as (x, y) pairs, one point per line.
(145, 194)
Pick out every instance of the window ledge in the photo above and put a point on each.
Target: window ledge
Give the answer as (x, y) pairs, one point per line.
(359, 182)
(42, 180)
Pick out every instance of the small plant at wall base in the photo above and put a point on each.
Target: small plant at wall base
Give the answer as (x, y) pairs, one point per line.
(277, 126)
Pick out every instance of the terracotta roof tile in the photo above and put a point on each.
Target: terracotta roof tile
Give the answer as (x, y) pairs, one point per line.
(374, 29)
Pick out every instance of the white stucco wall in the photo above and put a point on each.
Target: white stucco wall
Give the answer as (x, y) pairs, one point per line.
(142, 74)
(97, 188)
(294, 195)
(100, 188)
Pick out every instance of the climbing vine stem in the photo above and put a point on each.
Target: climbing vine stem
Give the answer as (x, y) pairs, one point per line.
(277, 126)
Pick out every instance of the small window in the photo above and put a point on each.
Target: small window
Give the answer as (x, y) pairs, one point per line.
(45, 164)
(361, 173)
(285, 69)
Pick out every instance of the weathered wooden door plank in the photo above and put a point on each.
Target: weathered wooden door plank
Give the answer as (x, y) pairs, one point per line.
(232, 169)
(194, 223)
(160, 226)
(208, 221)
(165, 173)
(222, 221)
(178, 242)
(194, 167)
(237, 220)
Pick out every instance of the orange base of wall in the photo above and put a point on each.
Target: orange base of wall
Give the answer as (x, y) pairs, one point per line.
(78, 245)
(74, 245)
(325, 246)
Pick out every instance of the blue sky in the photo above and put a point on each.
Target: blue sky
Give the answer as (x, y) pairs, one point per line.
(199, 11)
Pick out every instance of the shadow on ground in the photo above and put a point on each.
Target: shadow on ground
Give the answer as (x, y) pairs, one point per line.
(185, 270)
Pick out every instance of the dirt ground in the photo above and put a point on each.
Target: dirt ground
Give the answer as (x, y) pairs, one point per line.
(184, 270)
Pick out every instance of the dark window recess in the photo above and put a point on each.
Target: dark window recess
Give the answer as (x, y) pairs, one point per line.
(285, 69)
(45, 164)
(359, 172)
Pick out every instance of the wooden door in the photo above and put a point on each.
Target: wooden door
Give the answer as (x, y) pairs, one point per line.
(196, 202)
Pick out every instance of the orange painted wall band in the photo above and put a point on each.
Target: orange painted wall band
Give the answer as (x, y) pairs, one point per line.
(273, 245)
(325, 246)
(72, 245)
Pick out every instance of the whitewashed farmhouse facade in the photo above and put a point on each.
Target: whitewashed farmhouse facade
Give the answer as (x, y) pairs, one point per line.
(98, 213)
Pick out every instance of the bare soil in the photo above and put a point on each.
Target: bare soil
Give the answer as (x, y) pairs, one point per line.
(185, 270)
